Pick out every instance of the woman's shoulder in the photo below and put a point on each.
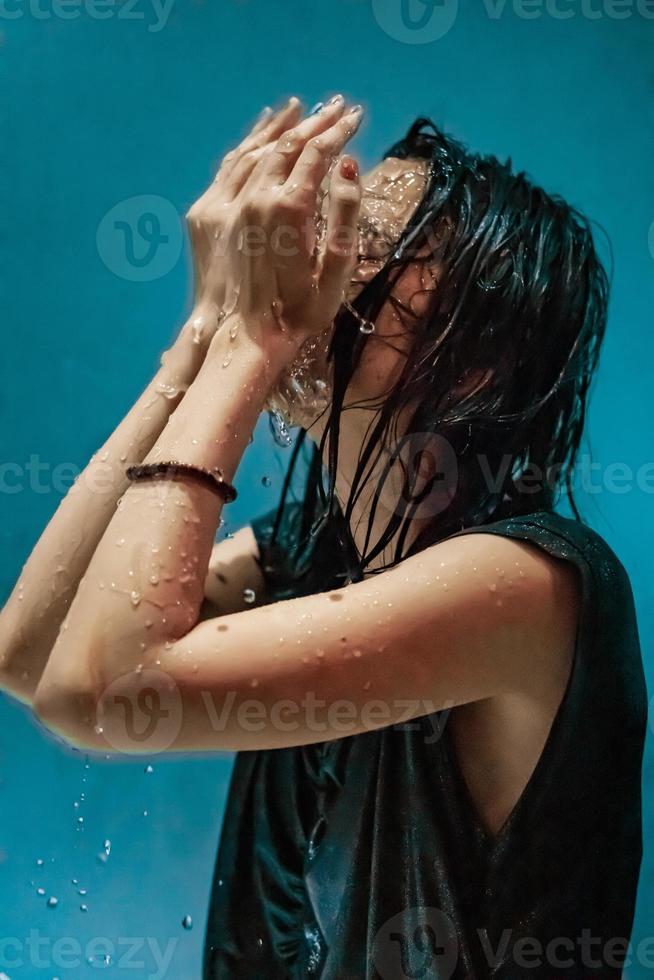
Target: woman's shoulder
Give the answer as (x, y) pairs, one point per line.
(562, 537)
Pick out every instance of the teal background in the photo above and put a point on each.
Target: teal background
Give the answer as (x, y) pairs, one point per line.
(100, 111)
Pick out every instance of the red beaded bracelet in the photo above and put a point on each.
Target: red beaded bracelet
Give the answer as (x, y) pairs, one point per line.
(213, 479)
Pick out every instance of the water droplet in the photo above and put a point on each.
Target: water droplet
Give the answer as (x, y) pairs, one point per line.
(83, 907)
(39, 862)
(40, 891)
(52, 902)
(279, 429)
(197, 329)
(266, 481)
(148, 769)
(187, 922)
(168, 391)
(249, 595)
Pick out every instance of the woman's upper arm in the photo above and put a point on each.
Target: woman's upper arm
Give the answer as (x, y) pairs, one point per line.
(471, 618)
(234, 578)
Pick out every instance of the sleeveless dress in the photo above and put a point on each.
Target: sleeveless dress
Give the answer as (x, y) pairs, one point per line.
(364, 858)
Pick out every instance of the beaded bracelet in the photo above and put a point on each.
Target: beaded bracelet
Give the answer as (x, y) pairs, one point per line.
(213, 479)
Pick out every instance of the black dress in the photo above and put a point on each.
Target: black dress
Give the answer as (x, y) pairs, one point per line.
(364, 857)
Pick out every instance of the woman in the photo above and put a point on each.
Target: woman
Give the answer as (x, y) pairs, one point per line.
(433, 680)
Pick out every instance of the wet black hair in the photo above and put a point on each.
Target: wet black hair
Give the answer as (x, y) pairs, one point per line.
(521, 298)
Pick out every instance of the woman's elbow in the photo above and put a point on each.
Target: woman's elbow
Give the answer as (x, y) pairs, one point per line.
(68, 710)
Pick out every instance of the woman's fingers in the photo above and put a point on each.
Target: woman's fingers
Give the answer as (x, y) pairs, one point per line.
(316, 158)
(232, 182)
(268, 127)
(290, 145)
(342, 235)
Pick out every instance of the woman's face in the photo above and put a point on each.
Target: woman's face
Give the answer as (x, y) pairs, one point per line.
(391, 191)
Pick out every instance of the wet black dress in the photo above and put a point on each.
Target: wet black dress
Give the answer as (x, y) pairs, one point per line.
(364, 857)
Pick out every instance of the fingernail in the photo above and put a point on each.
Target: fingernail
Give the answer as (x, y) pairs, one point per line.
(264, 115)
(356, 110)
(292, 102)
(349, 168)
(317, 107)
(336, 100)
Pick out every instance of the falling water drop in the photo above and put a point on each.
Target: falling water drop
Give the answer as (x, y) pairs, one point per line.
(266, 481)
(187, 922)
(249, 595)
(52, 902)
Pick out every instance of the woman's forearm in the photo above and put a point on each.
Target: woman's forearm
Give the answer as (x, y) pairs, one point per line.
(32, 616)
(145, 583)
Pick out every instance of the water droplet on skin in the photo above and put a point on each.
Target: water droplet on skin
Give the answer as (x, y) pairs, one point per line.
(492, 587)
(357, 653)
(187, 922)
(254, 682)
(135, 598)
(249, 595)
(227, 360)
(366, 686)
(197, 329)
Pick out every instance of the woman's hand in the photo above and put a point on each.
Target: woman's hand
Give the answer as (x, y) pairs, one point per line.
(255, 235)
